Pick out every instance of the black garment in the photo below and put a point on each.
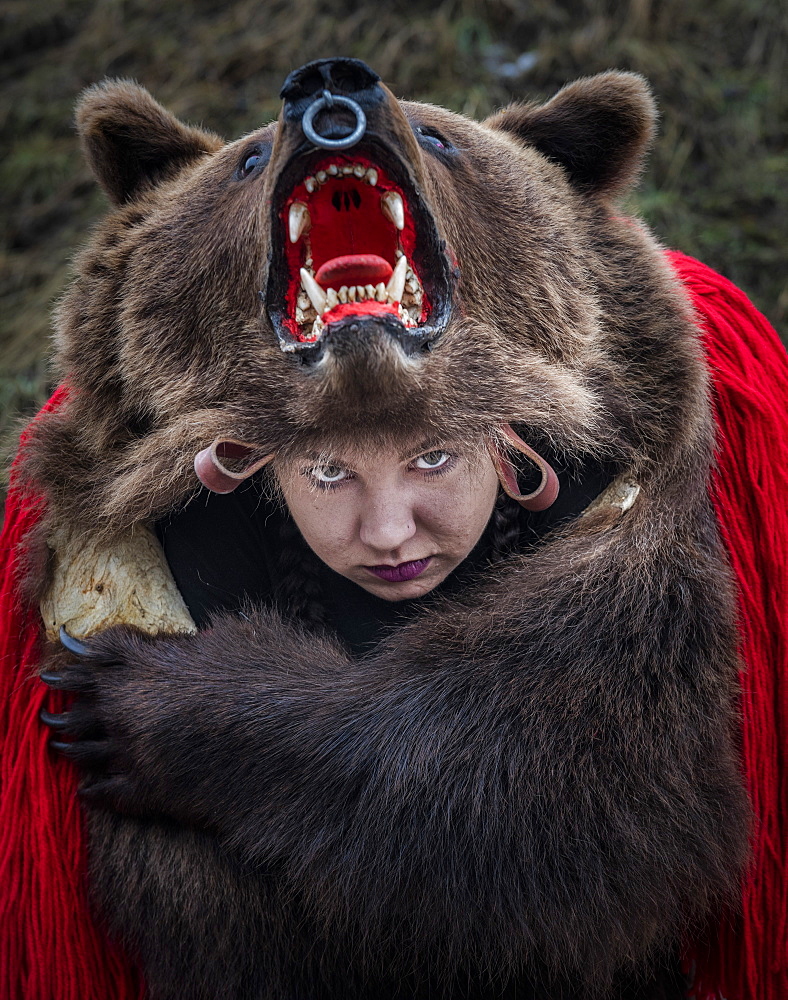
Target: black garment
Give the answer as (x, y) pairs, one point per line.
(227, 550)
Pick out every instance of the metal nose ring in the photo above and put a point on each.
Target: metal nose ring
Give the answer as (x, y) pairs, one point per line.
(328, 100)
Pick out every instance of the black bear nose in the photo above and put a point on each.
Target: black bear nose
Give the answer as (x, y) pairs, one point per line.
(347, 77)
(330, 99)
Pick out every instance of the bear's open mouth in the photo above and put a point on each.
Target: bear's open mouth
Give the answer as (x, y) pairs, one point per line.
(355, 242)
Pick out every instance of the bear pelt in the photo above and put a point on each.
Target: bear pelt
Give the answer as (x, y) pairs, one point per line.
(530, 789)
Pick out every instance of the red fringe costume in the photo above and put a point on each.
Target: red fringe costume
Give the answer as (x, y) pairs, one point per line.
(49, 945)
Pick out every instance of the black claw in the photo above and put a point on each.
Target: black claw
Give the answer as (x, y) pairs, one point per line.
(99, 789)
(73, 645)
(53, 680)
(58, 745)
(59, 721)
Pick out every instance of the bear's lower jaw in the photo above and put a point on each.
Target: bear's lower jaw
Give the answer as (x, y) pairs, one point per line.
(366, 339)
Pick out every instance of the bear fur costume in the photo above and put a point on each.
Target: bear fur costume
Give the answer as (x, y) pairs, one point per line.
(531, 789)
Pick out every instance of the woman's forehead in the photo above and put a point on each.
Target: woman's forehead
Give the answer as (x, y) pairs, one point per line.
(391, 447)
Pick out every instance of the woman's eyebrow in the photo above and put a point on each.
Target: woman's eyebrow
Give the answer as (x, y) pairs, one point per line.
(317, 457)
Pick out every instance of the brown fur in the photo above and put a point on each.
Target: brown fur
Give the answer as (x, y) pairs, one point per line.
(534, 783)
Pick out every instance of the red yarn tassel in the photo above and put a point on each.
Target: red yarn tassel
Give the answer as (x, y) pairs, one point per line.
(49, 945)
(749, 371)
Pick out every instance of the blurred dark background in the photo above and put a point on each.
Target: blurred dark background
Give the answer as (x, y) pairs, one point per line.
(716, 187)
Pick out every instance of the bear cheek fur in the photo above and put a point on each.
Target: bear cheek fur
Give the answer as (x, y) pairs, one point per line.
(519, 238)
(183, 333)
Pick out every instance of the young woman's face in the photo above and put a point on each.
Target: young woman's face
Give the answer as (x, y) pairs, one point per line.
(395, 524)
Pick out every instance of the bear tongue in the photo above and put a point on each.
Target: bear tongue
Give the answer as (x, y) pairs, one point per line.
(354, 269)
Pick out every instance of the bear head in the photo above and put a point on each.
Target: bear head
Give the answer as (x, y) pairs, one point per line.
(429, 275)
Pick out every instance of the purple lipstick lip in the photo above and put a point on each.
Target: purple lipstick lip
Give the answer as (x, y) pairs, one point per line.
(405, 571)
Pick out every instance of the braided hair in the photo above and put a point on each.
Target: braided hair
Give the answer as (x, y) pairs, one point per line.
(504, 529)
(299, 588)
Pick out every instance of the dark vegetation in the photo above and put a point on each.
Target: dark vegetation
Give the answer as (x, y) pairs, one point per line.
(717, 185)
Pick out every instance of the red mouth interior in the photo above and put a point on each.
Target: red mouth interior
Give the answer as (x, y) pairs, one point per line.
(350, 239)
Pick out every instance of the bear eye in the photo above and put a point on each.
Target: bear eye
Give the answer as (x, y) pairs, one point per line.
(252, 160)
(431, 137)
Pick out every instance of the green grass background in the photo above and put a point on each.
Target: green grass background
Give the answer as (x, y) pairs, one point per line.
(716, 187)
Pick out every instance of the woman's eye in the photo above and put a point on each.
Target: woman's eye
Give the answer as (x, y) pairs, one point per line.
(329, 473)
(432, 460)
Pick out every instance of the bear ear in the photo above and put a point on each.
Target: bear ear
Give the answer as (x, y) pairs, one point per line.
(131, 142)
(598, 128)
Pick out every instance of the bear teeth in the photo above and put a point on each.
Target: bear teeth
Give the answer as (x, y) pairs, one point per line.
(396, 285)
(393, 208)
(316, 294)
(368, 174)
(298, 221)
(391, 204)
(403, 290)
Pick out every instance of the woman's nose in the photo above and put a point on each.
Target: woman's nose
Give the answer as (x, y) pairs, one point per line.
(387, 521)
